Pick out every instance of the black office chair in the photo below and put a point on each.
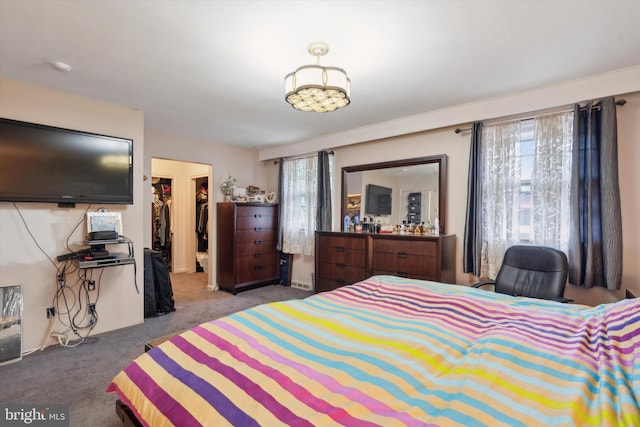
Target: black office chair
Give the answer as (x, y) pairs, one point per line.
(532, 271)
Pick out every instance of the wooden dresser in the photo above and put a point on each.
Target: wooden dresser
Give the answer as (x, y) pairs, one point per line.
(341, 259)
(247, 255)
(345, 258)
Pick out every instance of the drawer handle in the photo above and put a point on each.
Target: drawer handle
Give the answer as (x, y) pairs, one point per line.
(340, 282)
(258, 267)
(340, 265)
(257, 242)
(257, 255)
(257, 229)
(402, 254)
(258, 216)
(401, 274)
(340, 248)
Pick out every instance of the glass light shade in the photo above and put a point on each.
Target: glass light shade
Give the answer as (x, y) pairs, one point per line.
(316, 88)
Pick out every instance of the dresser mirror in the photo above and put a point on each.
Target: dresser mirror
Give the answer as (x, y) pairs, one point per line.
(411, 190)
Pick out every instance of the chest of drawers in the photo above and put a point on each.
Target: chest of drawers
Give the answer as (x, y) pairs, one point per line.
(246, 245)
(341, 259)
(345, 258)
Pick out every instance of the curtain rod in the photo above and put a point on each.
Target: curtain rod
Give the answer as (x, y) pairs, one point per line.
(304, 156)
(619, 103)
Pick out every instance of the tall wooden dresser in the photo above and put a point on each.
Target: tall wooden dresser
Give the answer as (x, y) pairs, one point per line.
(247, 254)
(346, 258)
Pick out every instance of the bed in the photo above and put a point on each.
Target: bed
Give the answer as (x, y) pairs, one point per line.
(389, 352)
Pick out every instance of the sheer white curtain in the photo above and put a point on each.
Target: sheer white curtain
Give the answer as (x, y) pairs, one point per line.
(551, 180)
(500, 193)
(514, 212)
(299, 204)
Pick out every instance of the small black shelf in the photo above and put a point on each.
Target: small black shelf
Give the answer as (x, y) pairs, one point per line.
(114, 259)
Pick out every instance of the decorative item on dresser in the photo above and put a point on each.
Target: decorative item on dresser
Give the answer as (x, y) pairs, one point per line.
(247, 255)
(345, 258)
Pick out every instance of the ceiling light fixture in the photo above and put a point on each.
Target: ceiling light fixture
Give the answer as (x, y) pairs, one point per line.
(317, 88)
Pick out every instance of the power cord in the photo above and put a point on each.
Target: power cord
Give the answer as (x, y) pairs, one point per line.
(67, 302)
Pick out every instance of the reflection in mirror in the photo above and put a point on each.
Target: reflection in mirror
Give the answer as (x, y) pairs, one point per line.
(392, 192)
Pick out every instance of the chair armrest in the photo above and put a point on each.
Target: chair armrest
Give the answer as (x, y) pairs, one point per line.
(486, 282)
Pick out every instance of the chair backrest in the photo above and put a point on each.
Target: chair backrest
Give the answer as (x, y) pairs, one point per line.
(533, 271)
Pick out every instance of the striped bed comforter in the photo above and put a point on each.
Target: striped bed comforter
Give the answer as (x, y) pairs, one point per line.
(396, 352)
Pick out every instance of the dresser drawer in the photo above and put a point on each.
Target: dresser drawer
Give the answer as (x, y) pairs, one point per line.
(405, 265)
(256, 248)
(251, 236)
(406, 258)
(252, 269)
(256, 223)
(341, 243)
(348, 251)
(325, 285)
(395, 246)
(256, 211)
(341, 255)
(346, 273)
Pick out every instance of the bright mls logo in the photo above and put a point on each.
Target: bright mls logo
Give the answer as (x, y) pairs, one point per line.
(34, 415)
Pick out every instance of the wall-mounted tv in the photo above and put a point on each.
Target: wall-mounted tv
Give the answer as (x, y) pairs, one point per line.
(378, 200)
(41, 163)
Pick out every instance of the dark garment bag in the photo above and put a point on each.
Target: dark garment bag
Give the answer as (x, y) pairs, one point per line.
(158, 293)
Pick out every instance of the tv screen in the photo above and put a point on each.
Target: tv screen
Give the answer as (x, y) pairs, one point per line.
(378, 200)
(41, 163)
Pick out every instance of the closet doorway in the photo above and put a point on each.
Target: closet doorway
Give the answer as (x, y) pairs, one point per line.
(181, 223)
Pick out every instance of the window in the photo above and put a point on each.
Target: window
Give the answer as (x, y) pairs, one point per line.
(525, 152)
(299, 204)
(526, 168)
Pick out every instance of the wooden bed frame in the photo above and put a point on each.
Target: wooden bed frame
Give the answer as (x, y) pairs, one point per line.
(126, 415)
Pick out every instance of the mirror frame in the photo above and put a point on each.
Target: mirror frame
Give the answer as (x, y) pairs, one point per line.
(441, 160)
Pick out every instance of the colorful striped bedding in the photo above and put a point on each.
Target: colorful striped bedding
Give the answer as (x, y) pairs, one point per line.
(396, 352)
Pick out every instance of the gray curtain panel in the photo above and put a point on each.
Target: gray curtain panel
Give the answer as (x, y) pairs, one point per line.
(280, 193)
(472, 240)
(595, 240)
(323, 214)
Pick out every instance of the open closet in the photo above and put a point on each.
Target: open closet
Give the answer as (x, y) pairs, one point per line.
(202, 224)
(181, 216)
(161, 215)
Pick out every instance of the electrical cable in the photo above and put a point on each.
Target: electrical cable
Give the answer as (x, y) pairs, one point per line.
(65, 300)
(72, 303)
(33, 237)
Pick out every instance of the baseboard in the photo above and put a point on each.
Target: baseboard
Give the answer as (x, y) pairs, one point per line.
(298, 285)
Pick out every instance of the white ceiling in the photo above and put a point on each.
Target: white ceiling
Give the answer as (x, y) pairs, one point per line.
(214, 70)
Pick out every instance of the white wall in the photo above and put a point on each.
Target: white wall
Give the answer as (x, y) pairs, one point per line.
(442, 140)
(21, 261)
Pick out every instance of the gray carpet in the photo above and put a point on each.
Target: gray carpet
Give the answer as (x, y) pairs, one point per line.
(78, 376)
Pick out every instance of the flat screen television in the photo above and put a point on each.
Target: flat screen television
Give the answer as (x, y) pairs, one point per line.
(41, 163)
(378, 200)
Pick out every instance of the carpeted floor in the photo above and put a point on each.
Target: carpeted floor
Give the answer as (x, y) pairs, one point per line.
(78, 376)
